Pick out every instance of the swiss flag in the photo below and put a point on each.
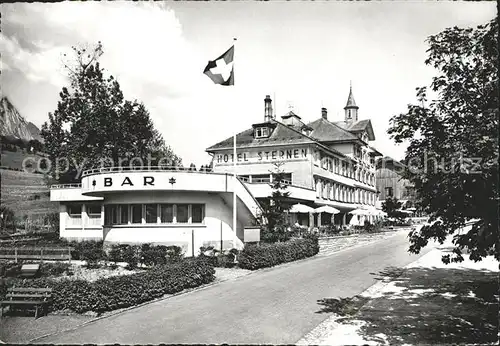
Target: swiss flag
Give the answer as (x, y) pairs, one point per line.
(221, 70)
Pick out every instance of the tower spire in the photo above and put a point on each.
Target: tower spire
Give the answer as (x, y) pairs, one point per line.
(351, 109)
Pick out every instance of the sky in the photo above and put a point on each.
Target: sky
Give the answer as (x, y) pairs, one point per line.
(303, 54)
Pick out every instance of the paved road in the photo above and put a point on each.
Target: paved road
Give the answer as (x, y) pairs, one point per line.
(272, 306)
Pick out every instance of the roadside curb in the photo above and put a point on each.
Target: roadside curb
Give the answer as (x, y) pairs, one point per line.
(206, 286)
(317, 335)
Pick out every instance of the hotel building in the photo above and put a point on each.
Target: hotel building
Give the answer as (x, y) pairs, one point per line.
(325, 162)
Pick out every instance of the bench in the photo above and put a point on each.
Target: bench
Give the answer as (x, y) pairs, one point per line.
(26, 297)
(29, 270)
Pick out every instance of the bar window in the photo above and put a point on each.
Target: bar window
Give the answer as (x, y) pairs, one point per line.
(197, 213)
(124, 214)
(182, 213)
(151, 213)
(94, 209)
(167, 213)
(75, 210)
(110, 214)
(136, 211)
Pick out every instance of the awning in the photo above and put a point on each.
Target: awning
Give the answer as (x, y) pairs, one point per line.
(327, 209)
(301, 208)
(359, 212)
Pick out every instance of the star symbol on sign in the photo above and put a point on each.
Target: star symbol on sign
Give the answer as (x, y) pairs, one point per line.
(222, 68)
(172, 181)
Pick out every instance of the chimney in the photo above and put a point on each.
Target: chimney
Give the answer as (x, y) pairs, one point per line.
(324, 113)
(268, 109)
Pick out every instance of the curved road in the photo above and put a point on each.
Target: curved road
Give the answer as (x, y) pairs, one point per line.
(271, 306)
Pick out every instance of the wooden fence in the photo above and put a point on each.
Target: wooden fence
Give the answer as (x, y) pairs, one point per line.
(36, 253)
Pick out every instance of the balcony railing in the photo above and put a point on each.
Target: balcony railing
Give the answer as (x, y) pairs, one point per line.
(141, 169)
(66, 186)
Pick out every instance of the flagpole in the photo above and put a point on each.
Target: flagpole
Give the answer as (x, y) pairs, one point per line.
(235, 230)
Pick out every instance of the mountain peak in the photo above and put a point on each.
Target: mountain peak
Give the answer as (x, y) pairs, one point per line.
(13, 124)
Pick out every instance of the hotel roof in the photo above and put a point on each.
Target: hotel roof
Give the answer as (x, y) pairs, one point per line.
(281, 135)
(326, 131)
(358, 126)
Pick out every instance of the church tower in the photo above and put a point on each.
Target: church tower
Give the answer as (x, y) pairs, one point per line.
(351, 110)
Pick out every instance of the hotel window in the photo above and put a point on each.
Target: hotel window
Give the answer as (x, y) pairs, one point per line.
(166, 213)
(136, 211)
(324, 163)
(388, 192)
(244, 178)
(261, 132)
(151, 213)
(263, 178)
(123, 214)
(287, 178)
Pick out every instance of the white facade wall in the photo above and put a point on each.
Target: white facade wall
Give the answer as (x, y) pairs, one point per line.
(217, 223)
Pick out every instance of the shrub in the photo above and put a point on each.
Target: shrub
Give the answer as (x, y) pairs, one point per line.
(224, 259)
(9, 269)
(53, 269)
(90, 251)
(130, 254)
(124, 291)
(160, 254)
(268, 255)
(174, 254)
(125, 253)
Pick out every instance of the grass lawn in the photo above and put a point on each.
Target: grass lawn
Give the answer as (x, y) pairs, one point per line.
(25, 193)
(14, 159)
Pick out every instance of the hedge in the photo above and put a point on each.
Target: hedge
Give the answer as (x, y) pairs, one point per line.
(123, 291)
(150, 255)
(268, 255)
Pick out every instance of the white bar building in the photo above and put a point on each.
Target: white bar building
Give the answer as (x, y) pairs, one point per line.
(154, 205)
